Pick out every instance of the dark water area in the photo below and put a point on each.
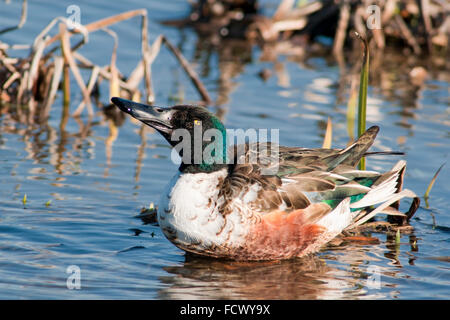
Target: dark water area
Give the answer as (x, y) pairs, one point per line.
(87, 180)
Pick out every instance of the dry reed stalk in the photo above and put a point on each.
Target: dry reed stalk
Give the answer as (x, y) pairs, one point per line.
(75, 71)
(91, 83)
(66, 83)
(388, 11)
(378, 35)
(425, 13)
(114, 87)
(22, 86)
(136, 75)
(283, 9)
(305, 10)
(23, 18)
(38, 50)
(341, 31)
(288, 25)
(56, 78)
(102, 23)
(85, 30)
(6, 62)
(5, 46)
(407, 35)
(358, 22)
(14, 76)
(103, 72)
(328, 135)
(81, 29)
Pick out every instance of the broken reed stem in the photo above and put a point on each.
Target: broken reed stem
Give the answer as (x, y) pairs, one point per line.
(23, 19)
(189, 70)
(328, 135)
(86, 63)
(76, 72)
(102, 23)
(114, 87)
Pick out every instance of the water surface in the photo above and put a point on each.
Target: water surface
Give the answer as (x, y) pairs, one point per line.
(98, 182)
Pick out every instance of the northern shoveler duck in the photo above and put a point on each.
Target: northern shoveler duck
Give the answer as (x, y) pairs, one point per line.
(239, 210)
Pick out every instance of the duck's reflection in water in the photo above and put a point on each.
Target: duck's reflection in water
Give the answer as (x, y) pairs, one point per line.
(311, 277)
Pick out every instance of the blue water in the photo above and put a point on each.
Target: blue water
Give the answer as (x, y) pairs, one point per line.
(97, 185)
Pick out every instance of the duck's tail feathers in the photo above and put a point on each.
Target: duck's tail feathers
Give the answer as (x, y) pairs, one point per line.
(387, 192)
(352, 154)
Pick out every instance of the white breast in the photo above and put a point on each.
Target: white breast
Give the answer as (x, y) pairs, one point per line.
(188, 212)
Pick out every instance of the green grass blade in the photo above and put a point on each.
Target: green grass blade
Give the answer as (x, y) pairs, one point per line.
(397, 237)
(362, 99)
(427, 193)
(351, 114)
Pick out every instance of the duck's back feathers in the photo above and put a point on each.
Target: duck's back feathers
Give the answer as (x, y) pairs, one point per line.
(302, 177)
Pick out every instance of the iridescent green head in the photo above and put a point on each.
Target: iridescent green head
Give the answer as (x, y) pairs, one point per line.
(197, 135)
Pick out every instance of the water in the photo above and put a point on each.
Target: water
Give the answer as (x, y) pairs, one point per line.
(97, 184)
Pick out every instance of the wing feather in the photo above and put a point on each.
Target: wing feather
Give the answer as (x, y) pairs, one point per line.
(295, 178)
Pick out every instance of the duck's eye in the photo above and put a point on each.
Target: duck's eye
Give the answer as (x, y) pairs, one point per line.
(197, 122)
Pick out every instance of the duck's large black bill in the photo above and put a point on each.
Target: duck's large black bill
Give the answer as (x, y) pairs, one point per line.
(155, 117)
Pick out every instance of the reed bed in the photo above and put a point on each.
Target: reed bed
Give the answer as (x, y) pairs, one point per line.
(421, 25)
(30, 84)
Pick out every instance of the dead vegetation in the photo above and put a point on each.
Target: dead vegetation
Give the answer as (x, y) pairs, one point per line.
(421, 25)
(410, 46)
(29, 85)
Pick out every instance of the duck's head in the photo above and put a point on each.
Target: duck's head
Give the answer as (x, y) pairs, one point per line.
(197, 135)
